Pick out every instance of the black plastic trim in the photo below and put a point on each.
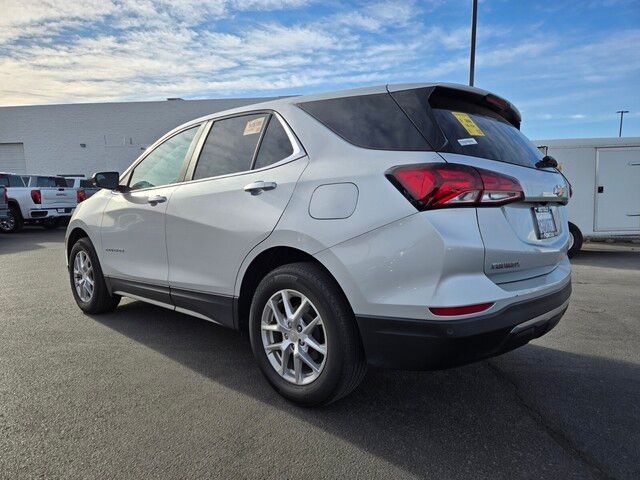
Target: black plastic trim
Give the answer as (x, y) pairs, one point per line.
(219, 308)
(216, 307)
(436, 344)
(157, 293)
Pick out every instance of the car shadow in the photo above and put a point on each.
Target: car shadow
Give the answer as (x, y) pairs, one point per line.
(626, 258)
(29, 238)
(492, 419)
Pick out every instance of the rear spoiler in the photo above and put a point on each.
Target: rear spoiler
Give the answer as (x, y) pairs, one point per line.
(453, 93)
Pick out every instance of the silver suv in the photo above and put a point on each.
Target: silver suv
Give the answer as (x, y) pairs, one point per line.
(408, 226)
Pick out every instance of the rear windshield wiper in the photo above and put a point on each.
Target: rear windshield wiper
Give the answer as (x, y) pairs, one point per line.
(546, 162)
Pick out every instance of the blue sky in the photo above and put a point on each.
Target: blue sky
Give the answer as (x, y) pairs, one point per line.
(568, 65)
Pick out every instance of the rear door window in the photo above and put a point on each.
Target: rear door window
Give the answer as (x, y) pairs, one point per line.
(16, 181)
(230, 146)
(368, 121)
(275, 145)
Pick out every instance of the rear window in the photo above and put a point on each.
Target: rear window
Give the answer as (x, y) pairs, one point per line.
(368, 121)
(486, 137)
(469, 128)
(11, 181)
(50, 182)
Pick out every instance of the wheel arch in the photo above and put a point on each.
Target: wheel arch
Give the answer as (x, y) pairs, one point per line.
(14, 203)
(72, 238)
(263, 263)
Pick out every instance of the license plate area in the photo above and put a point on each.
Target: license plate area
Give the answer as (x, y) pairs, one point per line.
(545, 222)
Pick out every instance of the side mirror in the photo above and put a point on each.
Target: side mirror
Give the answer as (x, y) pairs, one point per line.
(108, 180)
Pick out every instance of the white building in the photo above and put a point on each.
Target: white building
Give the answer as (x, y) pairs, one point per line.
(85, 138)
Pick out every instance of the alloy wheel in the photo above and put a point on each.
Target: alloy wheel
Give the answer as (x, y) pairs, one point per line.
(83, 278)
(571, 240)
(294, 337)
(8, 223)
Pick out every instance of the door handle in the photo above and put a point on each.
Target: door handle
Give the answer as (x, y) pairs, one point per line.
(156, 199)
(256, 188)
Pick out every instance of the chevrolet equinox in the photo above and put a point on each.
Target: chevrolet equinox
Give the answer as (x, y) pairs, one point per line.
(401, 226)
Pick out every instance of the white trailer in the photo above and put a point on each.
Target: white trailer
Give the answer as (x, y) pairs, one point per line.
(605, 177)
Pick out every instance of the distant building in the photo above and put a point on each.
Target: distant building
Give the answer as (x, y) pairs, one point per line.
(85, 138)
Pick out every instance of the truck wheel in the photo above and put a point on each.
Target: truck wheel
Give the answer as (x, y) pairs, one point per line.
(51, 223)
(87, 282)
(575, 240)
(304, 336)
(14, 222)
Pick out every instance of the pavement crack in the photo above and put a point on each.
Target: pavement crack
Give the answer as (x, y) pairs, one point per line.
(558, 436)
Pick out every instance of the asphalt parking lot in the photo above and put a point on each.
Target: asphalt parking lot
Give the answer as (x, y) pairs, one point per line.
(149, 393)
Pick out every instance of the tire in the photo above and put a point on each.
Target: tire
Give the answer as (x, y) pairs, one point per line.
(51, 223)
(342, 367)
(14, 222)
(576, 240)
(99, 300)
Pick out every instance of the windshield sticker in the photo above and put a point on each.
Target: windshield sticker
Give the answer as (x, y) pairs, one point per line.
(468, 124)
(467, 141)
(254, 126)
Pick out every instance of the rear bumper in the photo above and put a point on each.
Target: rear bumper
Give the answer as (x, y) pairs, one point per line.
(51, 212)
(411, 344)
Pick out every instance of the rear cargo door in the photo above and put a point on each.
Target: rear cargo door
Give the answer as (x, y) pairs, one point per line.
(617, 189)
(524, 239)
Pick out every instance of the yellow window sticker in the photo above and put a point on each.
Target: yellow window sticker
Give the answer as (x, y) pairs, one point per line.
(468, 124)
(254, 126)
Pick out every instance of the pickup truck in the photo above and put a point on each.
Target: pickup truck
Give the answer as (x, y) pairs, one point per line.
(45, 200)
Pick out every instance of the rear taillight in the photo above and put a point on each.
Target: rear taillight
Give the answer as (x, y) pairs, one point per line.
(36, 196)
(81, 195)
(449, 185)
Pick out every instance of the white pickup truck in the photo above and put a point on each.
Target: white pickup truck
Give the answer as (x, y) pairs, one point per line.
(46, 200)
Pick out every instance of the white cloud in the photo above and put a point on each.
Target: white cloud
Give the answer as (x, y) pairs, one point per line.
(91, 50)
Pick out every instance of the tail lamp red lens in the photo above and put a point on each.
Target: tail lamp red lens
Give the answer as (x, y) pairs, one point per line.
(81, 195)
(449, 185)
(496, 101)
(463, 310)
(36, 196)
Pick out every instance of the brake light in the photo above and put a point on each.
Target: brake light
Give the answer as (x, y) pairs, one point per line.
(36, 196)
(81, 195)
(449, 185)
(496, 101)
(463, 310)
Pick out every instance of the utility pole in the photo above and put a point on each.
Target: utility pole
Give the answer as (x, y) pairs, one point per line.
(621, 112)
(472, 53)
